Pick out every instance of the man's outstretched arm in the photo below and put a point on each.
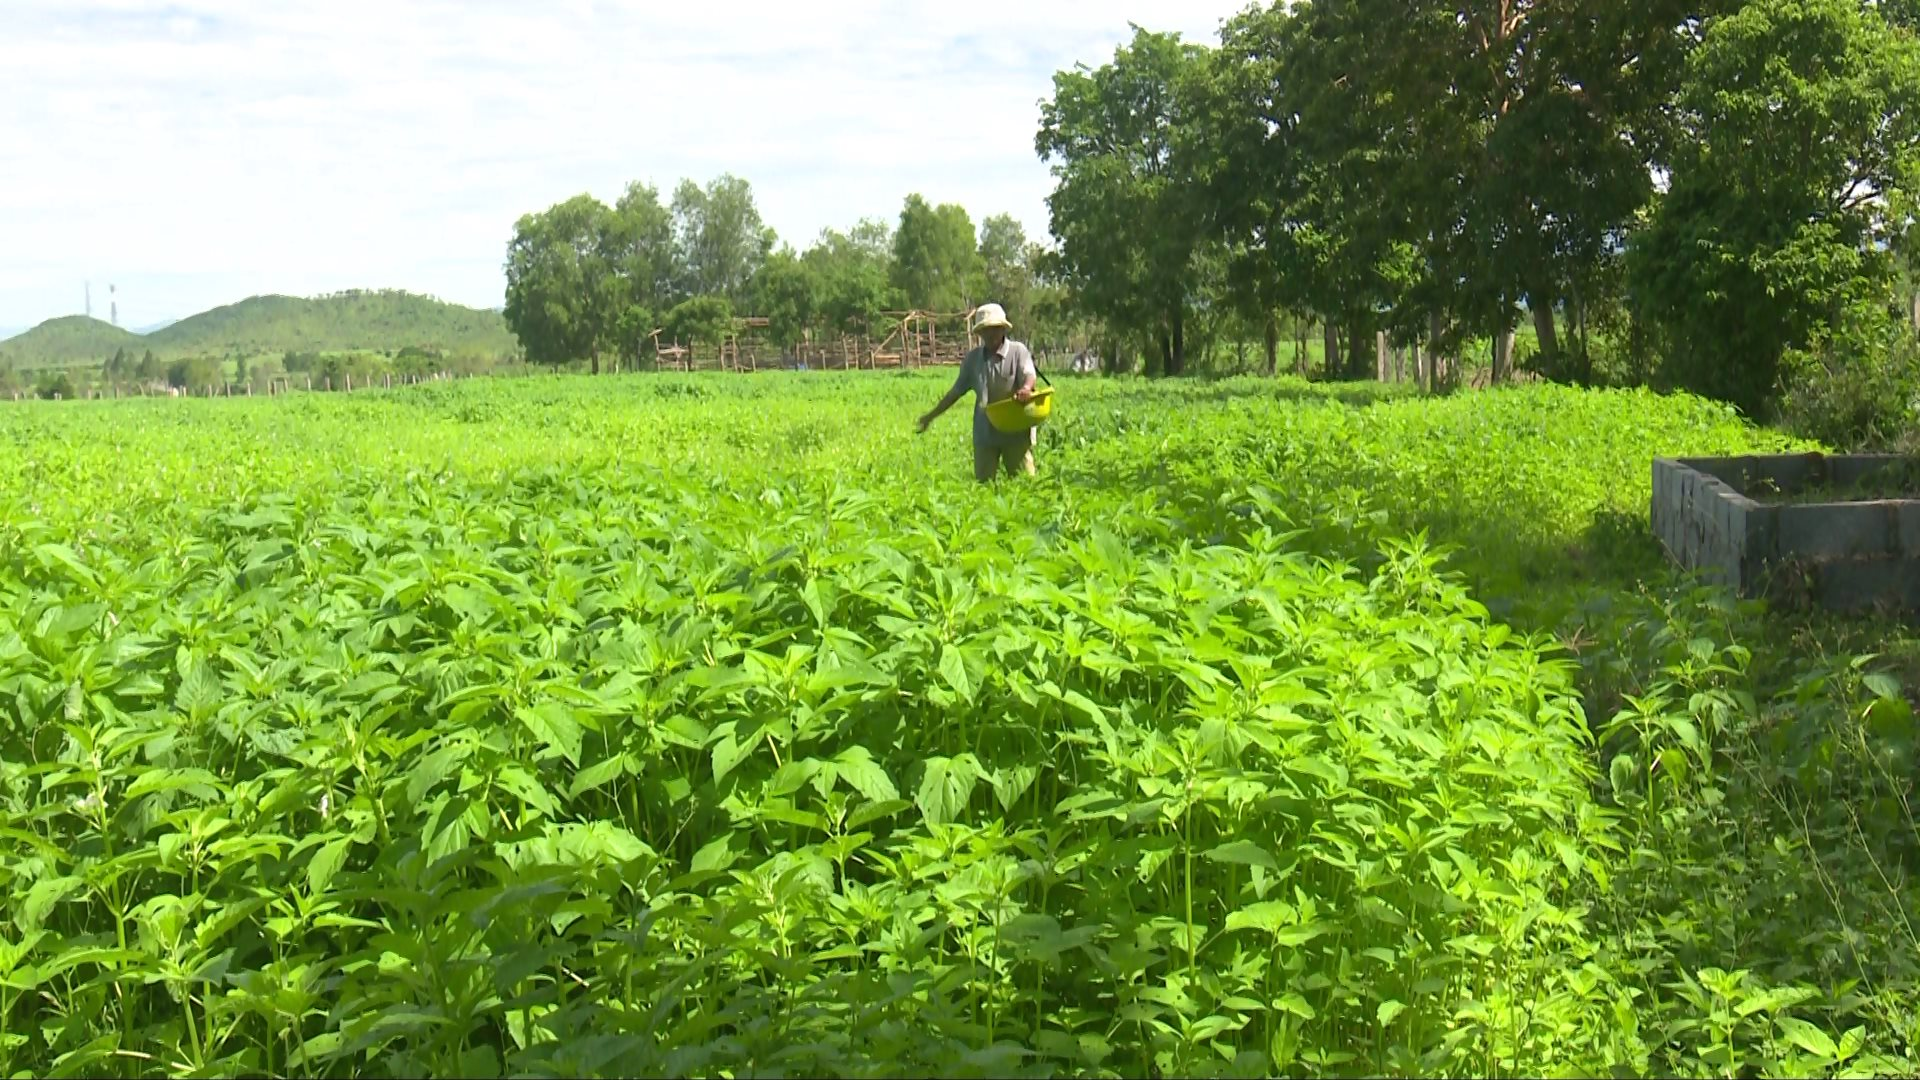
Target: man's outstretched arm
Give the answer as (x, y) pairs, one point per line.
(959, 390)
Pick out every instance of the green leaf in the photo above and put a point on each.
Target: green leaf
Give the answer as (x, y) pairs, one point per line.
(434, 768)
(1243, 853)
(717, 855)
(200, 691)
(945, 789)
(791, 777)
(864, 775)
(1267, 916)
(727, 753)
(33, 908)
(598, 775)
(1012, 782)
(1293, 1002)
(953, 668)
(810, 594)
(199, 783)
(553, 725)
(1300, 935)
(64, 557)
(1624, 773)
(875, 811)
(321, 1047)
(1882, 685)
(326, 862)
(1388, 1010)
(1808, 1037)
(530, 791)
(1851, 1042)
(1085, 704)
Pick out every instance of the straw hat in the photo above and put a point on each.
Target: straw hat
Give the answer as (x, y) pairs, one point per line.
(988, 316)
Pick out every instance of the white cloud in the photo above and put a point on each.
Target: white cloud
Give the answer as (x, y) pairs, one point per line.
(200, 151)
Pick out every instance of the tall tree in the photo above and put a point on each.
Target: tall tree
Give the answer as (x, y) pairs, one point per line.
(702, 320)
(1427, 166)
(935, 261)
(787, 291)
(1252, 172)
(561, 299)
(1124, 209)
(853, 271)
(641, 256)
(1802, 120)
(1300, 164)
(721, 238)
(1007, 268)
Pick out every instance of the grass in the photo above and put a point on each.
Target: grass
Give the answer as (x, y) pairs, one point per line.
(696, 724)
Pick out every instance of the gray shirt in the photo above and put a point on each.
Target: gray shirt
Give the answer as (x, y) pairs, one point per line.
(994, 376)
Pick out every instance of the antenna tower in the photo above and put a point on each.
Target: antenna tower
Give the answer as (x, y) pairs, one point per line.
(89, 299)
(113, 306)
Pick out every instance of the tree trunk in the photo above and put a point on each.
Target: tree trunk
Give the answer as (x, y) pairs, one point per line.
(1502, 355)
(1273, 344)
(596, 361)
(1380, 358)
(1357, 363)
(1583, 373)
(1549, 337)
(1330, 363)
(1179, 353)
(1436, 362)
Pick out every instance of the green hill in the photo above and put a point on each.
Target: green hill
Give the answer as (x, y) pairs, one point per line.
(350, 320)
(273, 324)
(70, 339)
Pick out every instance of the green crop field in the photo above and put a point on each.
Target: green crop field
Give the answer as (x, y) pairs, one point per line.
(720, 725)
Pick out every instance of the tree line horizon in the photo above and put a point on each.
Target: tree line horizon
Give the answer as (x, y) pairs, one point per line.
(1711, 195)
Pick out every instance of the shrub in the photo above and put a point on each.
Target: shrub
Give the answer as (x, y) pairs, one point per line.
(1858, 388)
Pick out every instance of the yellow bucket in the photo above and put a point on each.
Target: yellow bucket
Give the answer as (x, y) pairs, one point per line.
(1011, 416)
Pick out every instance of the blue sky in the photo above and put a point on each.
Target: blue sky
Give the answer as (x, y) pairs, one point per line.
(199, 152)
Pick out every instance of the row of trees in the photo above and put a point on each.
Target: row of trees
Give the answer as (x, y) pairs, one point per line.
(1712, 187)
(586, 280)
(123, 375)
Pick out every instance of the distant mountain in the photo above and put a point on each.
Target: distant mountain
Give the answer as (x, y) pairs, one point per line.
(272, 324)
(350, 320)
(70, 339)
(161, 325)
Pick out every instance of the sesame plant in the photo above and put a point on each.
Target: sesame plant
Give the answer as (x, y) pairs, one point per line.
(717, 725)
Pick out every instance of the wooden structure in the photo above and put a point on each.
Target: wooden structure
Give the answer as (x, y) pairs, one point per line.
(675, 356)
(913, 339)
(845, 351)
(742, 348)
(916, 341)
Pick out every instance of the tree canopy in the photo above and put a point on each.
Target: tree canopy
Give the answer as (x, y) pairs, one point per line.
(1713, 184)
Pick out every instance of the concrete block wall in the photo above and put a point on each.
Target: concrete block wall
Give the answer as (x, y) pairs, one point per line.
(1850, 555)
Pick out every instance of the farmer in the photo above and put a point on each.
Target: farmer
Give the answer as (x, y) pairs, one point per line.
(998, 369)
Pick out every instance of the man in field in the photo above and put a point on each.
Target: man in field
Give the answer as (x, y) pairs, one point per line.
(997, 369)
